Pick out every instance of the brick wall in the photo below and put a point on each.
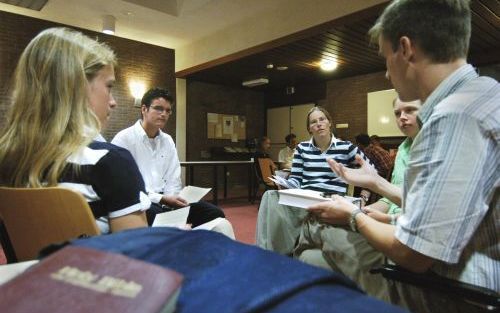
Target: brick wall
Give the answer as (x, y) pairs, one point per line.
(203, 98)
(136, 61)
(346, 101)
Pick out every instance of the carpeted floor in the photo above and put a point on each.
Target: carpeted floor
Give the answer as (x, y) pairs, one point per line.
(243, 217)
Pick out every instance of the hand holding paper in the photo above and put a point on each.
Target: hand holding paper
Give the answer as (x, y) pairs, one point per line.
(193, 194)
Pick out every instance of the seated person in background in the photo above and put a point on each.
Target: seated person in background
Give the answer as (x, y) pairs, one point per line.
(348, 252)
(262, 152)
(263, 148)
(380, 159)
(375, 141)
(278, 226)
(450, 195)
(155, 153)
(285, 157)
(61, 98)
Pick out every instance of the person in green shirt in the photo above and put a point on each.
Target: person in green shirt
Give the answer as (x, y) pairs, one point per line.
(348, 252)
(406, 118)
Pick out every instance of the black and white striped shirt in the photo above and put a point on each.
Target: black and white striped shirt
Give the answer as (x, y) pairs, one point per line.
(108, 178)
(311, 171)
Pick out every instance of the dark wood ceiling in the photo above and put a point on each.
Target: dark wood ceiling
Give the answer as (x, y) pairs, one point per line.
(344, 39)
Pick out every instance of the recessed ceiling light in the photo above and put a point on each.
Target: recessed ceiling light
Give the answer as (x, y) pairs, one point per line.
(108, 24)
(270, 65)
(282, 68)
(328, 65)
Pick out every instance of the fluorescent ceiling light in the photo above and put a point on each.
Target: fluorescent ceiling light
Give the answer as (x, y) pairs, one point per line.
(255, 82)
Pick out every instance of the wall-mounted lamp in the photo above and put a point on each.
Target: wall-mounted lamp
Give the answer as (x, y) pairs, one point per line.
(108, 24)
(137, 89)
(384, 120)
(328, 64)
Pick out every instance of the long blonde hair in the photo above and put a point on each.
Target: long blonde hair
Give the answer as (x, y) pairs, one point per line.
(50, 118)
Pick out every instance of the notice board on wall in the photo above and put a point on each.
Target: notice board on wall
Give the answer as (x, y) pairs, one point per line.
(226, 126)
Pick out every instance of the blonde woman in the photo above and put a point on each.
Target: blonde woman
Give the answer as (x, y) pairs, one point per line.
(60, 100)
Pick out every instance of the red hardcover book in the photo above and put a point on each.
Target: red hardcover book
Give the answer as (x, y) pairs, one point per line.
(84, 280)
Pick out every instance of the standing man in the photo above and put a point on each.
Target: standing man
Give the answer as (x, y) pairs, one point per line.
(450, 195)
(155, 153)
(285, 157)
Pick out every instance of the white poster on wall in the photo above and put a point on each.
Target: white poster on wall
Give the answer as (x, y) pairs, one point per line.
(380, 119)
(227, 125)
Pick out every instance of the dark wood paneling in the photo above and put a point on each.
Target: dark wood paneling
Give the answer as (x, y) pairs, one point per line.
(344, 39)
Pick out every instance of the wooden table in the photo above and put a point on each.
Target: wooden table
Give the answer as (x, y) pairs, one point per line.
(190, 165)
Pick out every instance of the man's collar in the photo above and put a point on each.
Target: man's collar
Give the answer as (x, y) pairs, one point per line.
(445, 88)
(141, 132)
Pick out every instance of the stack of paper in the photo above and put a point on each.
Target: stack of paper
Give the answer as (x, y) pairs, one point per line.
(178, 218)
(289, 184)
(302, 198)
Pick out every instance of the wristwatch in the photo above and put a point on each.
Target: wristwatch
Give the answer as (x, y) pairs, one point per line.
(352, 220)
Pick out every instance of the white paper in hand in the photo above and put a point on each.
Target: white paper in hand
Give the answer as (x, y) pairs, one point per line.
(209, 225)
(289, 184)
(175, 218)
(193, 194)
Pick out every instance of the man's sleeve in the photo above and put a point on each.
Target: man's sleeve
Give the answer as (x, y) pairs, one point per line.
(173, 184)
(281, 156)
(443, 188)
(119, 140)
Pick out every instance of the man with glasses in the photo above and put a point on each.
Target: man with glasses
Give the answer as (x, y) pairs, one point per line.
(155, 153)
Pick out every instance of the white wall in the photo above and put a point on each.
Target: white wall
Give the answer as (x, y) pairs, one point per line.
(381, 120)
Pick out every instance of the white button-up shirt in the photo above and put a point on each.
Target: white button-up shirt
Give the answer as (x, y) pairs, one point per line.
(156, 158)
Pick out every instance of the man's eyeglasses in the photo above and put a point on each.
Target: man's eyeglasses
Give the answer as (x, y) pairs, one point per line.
(161, 109)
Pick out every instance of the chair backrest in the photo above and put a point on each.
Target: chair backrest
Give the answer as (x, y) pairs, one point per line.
(266, 166)
(36, 217)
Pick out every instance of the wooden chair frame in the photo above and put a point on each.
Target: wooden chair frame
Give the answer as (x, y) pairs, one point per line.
(36, 217)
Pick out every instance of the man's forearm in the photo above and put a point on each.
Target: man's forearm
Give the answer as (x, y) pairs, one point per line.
(380, 206)
(381, 237)
(388, 190)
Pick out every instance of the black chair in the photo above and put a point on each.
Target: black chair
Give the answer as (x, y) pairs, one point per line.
(484, 299)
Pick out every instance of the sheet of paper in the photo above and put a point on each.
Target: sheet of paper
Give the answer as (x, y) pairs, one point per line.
(176, 218)
(227, 127)
(209, 225)
(9, 271)
(218, 131)
(282, 174)
(193, 194)
(212, 117)
(234, 137)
